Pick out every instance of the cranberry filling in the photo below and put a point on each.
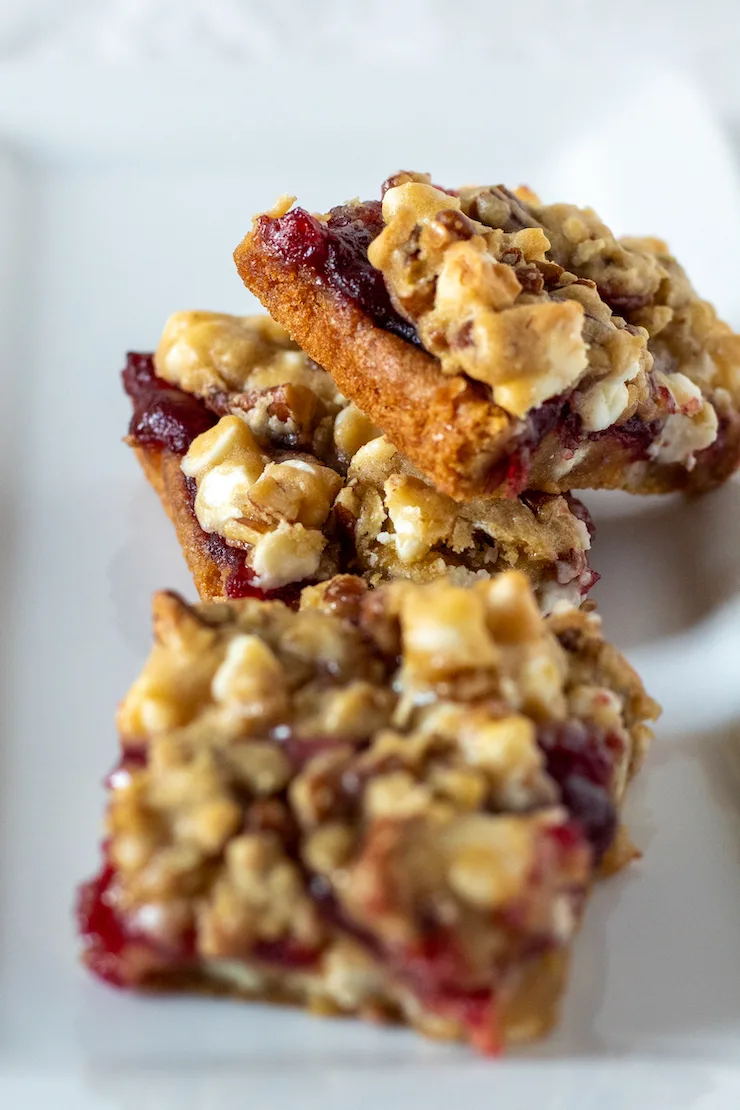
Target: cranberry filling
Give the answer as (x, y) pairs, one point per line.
(240, 580)
(511, 472)
(133, 758)
(300, 749)
(240, 583)
(139, 376)
(719, 459)
(101, 929)
(580, 758)
(634, 435)
(433, 970)
(112, 948)
(164, 417)
(336, 250)
(109, 941)
(287, 953)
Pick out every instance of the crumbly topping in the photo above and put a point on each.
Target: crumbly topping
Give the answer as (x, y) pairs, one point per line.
(285, 510)
(641, 281)
(273, 509)
(536, 300)
(375, 753)
(686, 335)
(205, 352)
(249, 365)
(492, 304)
(474, 663)
(582, 244)
(405, 528)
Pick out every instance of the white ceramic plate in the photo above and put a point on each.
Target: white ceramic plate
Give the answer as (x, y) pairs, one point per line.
(99, 240)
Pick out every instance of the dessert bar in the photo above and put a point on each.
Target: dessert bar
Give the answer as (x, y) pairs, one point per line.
(390, 803)
(505, 345)
(274, 480)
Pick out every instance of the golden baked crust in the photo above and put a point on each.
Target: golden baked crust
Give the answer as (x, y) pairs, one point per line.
(538, 380)
(447, 426)
(162, 470)
(390, 803)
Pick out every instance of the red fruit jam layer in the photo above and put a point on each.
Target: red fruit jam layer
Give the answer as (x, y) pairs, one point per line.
(434, 970)
(240, 579)
(167, 418)
(581, 759)
(336, 251)
(164, 417)
(124, 957)
(433, 967)
(103, 933)
(511, 473)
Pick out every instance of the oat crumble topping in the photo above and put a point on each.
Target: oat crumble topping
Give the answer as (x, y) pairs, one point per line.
(492, 304)
(308, 799)
(248, 365)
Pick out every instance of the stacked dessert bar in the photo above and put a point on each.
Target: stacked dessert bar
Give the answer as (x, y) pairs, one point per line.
(378, 768)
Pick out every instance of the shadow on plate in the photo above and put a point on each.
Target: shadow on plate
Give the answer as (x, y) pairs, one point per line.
(149, 559)
(665, 563)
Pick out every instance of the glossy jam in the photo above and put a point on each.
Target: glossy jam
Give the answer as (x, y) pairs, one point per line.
(240, 578)
(580, 758)
(240, 583)
(164, 417)
(435, 971)
(511, 474)
(103, 933)
(287, 953)
(336, 250)
(109, 943)
(634, 436)
(133, 758)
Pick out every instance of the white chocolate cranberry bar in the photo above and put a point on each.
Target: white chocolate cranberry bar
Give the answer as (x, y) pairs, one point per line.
(505, 345)
(274, 480)
(390, 803)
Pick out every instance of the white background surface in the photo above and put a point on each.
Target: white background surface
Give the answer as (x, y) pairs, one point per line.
(138, 140)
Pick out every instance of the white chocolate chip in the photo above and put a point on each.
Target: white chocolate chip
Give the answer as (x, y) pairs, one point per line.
(352, 430)
(424, 201)
(691, 429)
(603, 403)
(420, 515)
(229, 441)
(250, 677)
(222, 494)
(290, 553)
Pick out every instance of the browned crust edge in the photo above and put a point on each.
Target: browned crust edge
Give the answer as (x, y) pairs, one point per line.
(162, 470)
(529, 1009)
(449, 429)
